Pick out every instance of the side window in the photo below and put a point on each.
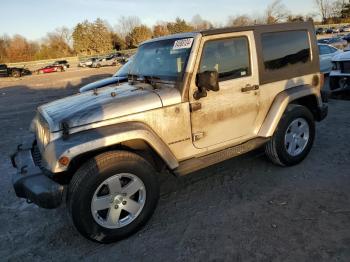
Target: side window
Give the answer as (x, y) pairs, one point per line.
(229, 57)
(285, 49)
(324, 50)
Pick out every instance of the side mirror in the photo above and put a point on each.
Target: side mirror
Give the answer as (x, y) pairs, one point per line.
(206, 81)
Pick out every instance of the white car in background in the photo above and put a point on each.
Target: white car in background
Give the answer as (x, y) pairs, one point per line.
(339, 78)
(107, 61)
(327, 52)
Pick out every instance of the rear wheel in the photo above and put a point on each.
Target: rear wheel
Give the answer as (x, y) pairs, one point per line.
(112, 196)
(293, 138)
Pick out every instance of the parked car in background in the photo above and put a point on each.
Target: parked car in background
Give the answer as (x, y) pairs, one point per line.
(320, 31)
(346, 29)
(63, 63)
(327, 52)
(88, 62)
(50, 69)
(346, 37)
(120, 76)
(120, 57)
(336, 30)
(107, 61)
(329, 31)
(6, 71)
(339, 77)
(337, 42)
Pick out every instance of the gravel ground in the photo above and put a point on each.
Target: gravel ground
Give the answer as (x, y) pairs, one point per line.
(245, 209)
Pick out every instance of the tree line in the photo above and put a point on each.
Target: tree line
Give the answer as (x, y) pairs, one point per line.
(99, 37)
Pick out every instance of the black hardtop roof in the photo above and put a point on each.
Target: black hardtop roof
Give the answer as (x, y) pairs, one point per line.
(267, 27)
(257, 28)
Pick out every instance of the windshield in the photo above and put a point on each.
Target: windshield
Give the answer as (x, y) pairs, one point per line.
(163, 60)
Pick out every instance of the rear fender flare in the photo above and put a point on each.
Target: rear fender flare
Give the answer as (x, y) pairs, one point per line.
(280, 104)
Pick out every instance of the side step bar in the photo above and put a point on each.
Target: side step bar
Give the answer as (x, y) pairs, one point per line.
(194, 164)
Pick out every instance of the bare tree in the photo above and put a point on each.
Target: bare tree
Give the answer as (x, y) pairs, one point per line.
(199, 23)
(241, 20)
(337, 8)
(276, 12)
(65, 34)
(127, 24)
(324, 8)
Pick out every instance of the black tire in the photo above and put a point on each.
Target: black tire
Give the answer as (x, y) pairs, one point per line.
(94, 172)
(276, 150)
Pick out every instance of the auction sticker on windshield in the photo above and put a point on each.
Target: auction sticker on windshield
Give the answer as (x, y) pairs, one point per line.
(183, 43)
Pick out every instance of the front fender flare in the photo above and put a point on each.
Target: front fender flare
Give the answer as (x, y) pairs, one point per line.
(94, 139)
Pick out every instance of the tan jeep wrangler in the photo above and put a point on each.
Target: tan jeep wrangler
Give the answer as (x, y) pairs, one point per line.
(192, 100)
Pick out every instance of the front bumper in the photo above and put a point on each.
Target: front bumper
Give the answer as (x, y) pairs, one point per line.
(30, 182)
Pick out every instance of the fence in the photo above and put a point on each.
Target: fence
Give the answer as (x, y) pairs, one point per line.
(73, 60)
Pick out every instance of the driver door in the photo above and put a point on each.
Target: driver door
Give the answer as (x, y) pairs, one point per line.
(228, 115)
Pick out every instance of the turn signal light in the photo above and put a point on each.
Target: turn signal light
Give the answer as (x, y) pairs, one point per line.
(64, 161)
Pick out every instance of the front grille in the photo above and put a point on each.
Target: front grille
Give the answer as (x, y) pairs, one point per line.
(37, 156)
(42, 132)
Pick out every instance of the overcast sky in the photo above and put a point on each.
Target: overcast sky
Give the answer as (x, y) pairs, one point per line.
(33, 19)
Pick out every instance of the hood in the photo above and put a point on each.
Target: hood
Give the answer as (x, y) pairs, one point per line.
(107, 103)
(344, 56)
(102, 83)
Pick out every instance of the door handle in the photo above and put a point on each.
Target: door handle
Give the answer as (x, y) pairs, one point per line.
(249, 87)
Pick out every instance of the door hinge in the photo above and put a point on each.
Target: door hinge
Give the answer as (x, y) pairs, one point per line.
(197, 136)
(195, 107)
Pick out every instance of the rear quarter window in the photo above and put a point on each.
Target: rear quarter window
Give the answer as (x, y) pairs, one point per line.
(286, 52)
(282, 50)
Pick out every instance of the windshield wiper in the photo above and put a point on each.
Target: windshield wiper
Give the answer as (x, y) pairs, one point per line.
(145, 79)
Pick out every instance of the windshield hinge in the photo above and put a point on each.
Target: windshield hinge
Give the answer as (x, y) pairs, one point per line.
(195, 107)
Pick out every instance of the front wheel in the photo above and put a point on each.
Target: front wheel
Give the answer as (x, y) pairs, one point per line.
(293, 138)
(112, 196)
